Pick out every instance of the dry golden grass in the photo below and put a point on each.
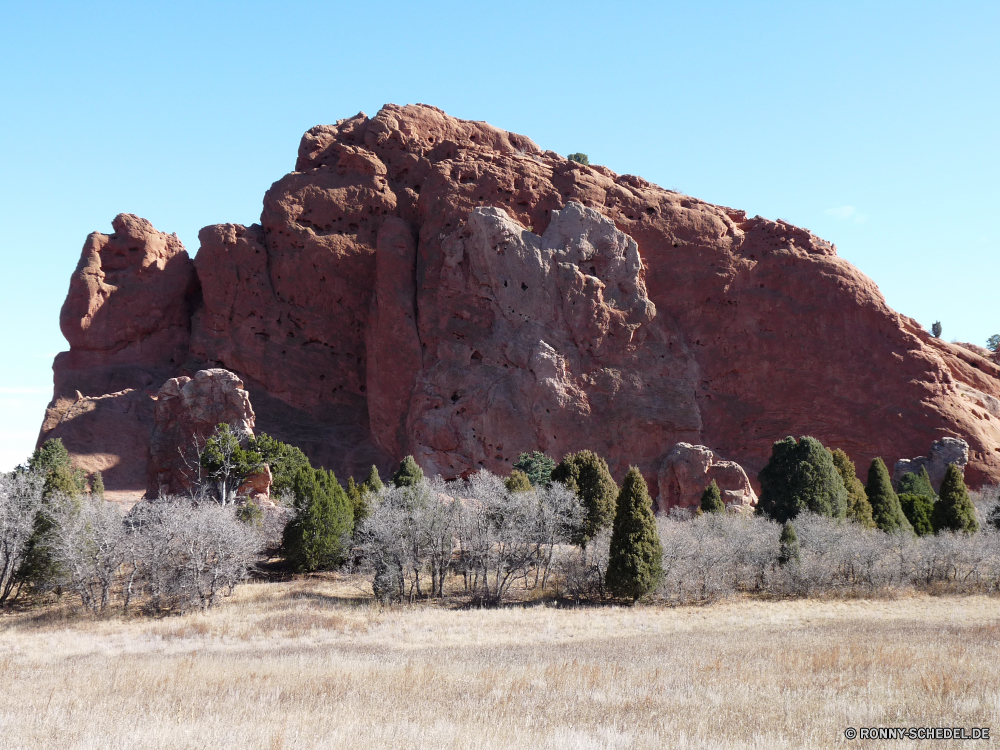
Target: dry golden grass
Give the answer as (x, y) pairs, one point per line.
(303, 665)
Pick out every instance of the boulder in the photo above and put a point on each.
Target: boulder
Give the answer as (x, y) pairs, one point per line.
(187, 412)
(689, 469)
(428, 285)
(942, 453)
(257, 487)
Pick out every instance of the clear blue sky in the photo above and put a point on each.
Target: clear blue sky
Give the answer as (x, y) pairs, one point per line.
(876, 125)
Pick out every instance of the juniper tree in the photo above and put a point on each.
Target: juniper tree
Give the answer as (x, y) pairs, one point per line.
(936, 329)
(409, 473)
(587, 474)
(886, 511)
(228, 463)
(858, 507)
(788, 544)
(537, 466)
(918, 510)
(801, 476)
(954, 510)
(916, 484)
(635, 562)
(374, 482)
(283, 459)
(315, 539)
(518, 482)
(916, 498)
(711, 499)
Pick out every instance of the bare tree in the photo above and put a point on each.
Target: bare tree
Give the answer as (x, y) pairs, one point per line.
(87, 543)
(20, 501)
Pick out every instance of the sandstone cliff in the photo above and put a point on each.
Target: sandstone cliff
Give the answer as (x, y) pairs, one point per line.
(427, 285)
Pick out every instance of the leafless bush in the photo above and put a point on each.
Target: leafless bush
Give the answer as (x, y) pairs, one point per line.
(476, 528)
(186, 555)
(582, 569)
(711, 556)
(20, 500)
(88, 546)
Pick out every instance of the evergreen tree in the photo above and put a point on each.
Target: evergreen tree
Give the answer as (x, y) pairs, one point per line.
(858, 507)
(801, 476)
(936, 329)
(916, 484)
(359, 496)
(711, 499)
(316, 537)
(918, 510)
(283, 459)
(635, 562)
(52, 461)
(886, 511)
(788, 544)
(409, 473)
(97, 485)
(374, 481)
(518, 482)
(587, 474)
(537, 466)
(954, 510)
(228, 463)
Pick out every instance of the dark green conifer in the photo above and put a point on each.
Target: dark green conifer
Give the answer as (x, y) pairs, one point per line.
(801, 476)
(316, 537)
(374, 481)
(409, 473)
(711, 499)
(886, 511)
(788, 544)
(918, 510)
(283, 459)
(954, 510)
(537, 466)
(858, 507)
(635, 563)
(587, 474)
(916, 484)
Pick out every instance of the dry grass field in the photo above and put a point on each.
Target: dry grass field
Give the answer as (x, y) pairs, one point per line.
(310, 664)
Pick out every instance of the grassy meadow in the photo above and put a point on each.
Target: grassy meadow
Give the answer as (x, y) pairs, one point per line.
(314, 663)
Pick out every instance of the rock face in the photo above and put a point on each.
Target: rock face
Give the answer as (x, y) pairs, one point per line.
(689, 469)
(187, 413)
(943, 452)
(421, 284)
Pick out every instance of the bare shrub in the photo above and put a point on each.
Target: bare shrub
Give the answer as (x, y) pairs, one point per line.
(581, 570)
(494, 538)
(87, 543)
(20, 501)
(187, 555)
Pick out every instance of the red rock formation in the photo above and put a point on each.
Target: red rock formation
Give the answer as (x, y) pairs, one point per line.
(422, 284)
(187, 412)
(689, 469)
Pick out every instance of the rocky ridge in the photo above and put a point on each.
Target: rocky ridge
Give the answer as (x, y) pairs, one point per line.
(422, 284)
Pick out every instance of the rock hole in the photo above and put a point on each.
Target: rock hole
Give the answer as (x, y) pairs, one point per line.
(364, 388)
(454, 397)
(524, 287)
(476, 356)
